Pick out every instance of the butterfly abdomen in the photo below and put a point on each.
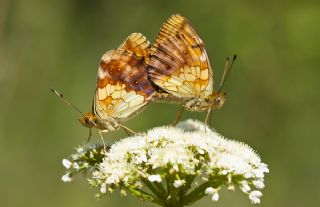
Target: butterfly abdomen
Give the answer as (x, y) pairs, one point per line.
(164, 97)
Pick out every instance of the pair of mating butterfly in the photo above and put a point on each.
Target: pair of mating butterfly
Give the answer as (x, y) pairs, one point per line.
(175, 69)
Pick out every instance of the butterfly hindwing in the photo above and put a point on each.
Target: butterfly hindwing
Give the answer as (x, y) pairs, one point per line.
(123, 88)
(179, 63)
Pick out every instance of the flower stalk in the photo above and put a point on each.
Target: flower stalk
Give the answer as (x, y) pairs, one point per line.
(171, 166)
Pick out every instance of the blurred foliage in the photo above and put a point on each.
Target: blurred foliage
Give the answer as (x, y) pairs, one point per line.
(273, 99)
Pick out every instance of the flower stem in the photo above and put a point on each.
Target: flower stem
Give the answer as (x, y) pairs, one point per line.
(160, 195)
(146, 196)
(199, 192)
(184, 189)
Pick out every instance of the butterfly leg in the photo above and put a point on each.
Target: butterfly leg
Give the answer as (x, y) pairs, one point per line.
(90, 133)
(178, 116)
(127, 130)
(104, 144)
(208, 117)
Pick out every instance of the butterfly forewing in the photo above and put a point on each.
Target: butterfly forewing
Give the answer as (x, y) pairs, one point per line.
(123, 88)
(179, 63)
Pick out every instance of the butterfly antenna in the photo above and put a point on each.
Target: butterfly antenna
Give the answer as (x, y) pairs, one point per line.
(65, 100)
(226, 72)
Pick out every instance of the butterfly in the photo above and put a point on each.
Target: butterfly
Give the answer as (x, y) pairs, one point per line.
(123, 89)
(180, 67)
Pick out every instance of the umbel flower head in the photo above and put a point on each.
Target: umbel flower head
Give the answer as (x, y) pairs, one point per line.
(172, 166)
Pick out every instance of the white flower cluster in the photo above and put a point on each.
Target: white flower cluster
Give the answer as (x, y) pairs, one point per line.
(188, 156)
(86, 158)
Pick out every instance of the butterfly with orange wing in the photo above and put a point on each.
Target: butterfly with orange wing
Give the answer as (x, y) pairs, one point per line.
(123, 89)
(180, 67)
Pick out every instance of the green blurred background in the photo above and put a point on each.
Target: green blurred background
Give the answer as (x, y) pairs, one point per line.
(273, 98)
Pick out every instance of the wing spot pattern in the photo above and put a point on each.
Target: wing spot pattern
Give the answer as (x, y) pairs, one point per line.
(102, 93)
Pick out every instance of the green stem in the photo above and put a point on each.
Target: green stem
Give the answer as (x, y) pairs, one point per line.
(162, 190)
(199, 192)
(184, 189)
(162, 194)
(174, 199)
(168, 185)
(146, 196)
(189, 180)
(154, 190)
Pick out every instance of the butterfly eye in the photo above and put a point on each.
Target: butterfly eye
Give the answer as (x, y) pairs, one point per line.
(87, 120)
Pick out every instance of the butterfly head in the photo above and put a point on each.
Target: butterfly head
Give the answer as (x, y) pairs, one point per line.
(106, 124)
(217, 100)
(88, 120)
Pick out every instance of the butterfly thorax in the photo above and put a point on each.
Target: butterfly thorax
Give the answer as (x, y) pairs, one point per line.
(91, 120)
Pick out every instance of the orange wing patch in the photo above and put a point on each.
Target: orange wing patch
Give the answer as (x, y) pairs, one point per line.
(179, 63)
(123, 88)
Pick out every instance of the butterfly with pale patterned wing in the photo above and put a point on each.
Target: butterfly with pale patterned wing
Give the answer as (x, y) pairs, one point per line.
(180, 67)
(123, 89)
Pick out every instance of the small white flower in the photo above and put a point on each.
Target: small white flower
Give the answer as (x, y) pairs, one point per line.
(66, 163)
(123, 192)
(264, 167)
(258, 184)
(75, 156)
(248, 175)
(244, 186)
(66, 178)
(213, 192)
(80, 150)
(103, 188)
(254, 196)
(215, 197)
(85, 164)
(258, 173)
(91, 154)
(201, 151)
(75, 166)
(178, 183)
(230, 187)
(209, 190)
(224, 172)
(155, 178)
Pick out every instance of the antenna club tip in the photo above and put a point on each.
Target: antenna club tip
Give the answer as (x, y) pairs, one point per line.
(57, 93)
(234, 56)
